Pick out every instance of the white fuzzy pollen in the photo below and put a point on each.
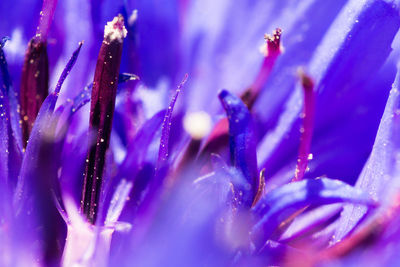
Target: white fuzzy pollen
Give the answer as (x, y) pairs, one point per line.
(115, 29)
(197, 124)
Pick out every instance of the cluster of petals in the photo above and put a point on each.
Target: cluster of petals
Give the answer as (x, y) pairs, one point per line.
(199, 133)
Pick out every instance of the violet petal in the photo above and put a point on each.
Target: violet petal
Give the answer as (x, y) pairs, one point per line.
(241, 141)
(377, 177)
(281, 203)
(166, 127)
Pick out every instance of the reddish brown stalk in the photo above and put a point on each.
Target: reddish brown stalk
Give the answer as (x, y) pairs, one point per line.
(307, 127)
(34, 84)
(101, 114)
(35, 72)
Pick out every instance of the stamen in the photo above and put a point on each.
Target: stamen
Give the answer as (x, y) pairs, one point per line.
(34, 84)
(271, 51)
(308, 126)
(101, 113)
(35, 73)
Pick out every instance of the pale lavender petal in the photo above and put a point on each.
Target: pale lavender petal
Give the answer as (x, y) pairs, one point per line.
(281, 203)
(310, 220)
(118, 201)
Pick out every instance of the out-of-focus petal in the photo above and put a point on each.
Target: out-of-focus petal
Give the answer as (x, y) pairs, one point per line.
(378, 177)
(284, 201)
(33, 196)
(342, 74)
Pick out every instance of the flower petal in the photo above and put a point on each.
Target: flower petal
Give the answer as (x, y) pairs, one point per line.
(281, 203)
(241, 142)
(342, 73)
(377, 177)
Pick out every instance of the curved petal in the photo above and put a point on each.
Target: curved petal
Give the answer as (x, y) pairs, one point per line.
(281, 203)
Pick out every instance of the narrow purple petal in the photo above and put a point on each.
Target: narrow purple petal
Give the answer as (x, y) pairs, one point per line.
(166, 126)
(135, 167)
(3, 65)
(4, 140)
(9, 111)
(67, 69)
(138, 147)
(9, 91)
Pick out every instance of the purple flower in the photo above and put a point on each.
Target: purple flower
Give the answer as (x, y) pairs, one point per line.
(296, 162)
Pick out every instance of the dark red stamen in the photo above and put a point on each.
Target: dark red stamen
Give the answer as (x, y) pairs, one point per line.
(101, 114)
(35, 73)
(308, 126)
(34, 84)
